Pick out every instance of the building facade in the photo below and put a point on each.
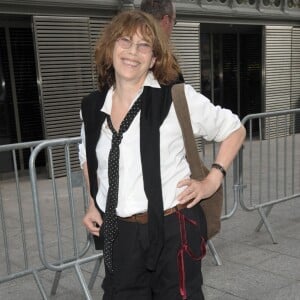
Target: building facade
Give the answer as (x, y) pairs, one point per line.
(242, 54)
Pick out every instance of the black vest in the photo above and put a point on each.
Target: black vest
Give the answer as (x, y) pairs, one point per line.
(156, 103)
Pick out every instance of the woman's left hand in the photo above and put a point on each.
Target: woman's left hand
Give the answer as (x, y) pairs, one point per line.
(197, 190)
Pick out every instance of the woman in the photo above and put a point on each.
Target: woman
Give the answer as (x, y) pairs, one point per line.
(133, 157)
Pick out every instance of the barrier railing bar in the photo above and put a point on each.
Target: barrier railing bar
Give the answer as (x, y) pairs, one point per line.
(5, 240)
(71, 200)
(277, 162)
(235, 187)
(19, 146)
(225, 192)
(260, 158)
(21, 274)
(39, 284)
(269, 166)
(94, 274)
(267, 224)
(36, 208)
(261, 223)
(284, 165)
(20, 208)
(83, 282)
(56, 206)
(214, 253)
(55, 282)
(270, 114)
(251, 156)
(285, 159)
(293, 154)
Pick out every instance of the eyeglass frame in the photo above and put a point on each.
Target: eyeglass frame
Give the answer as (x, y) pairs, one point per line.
(173, 19)
(129, 42)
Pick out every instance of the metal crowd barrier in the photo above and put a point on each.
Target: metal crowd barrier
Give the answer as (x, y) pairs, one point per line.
(17, 258)
(272, 154)
(265, 173)
(208, 152)
(40, 217)
(59, 205)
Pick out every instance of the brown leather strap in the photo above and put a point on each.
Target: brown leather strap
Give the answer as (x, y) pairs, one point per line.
(183, 115)
(143, 217)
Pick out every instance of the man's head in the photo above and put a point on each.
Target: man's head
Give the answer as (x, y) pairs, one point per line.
(162, 10)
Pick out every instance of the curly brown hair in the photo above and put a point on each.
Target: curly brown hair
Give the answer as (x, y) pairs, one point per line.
(127, 23)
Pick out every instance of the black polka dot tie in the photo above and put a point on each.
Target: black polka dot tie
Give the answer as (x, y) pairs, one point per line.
(110, 221)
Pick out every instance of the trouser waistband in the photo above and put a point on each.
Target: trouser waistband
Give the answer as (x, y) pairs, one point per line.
(142, 218)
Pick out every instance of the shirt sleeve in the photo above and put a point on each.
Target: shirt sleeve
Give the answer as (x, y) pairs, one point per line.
(211, 122)
(81, 146)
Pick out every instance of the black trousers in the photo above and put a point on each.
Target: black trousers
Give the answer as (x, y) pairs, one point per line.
(132, 280)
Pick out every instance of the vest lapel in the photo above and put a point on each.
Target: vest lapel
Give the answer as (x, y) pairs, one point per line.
(155, 106)
(93, 119)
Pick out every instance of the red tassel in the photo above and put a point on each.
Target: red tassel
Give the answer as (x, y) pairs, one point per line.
(180, 263)
(186, 249)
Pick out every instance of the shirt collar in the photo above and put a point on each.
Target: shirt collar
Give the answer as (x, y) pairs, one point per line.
(149, 81)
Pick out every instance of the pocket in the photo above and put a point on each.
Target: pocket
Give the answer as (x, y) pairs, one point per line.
(99, 240)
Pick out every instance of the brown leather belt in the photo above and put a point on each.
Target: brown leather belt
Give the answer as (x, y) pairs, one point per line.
(143, 217)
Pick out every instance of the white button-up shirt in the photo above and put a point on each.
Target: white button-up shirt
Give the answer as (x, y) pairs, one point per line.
(209, 121)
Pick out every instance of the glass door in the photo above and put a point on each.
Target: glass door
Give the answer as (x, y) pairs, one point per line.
(20, 113)
(231, 67)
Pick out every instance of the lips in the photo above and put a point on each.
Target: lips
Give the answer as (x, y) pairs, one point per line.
(130, 63)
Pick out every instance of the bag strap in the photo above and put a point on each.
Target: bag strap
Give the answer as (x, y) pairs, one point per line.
(183, 115)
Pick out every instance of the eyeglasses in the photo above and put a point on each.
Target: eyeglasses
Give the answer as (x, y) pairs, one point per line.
(173, 19)
(126, 43)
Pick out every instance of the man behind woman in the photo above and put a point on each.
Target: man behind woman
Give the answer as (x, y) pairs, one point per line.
(164, 11)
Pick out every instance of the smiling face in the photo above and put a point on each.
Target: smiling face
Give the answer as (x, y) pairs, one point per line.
(132, 59)
(122, 51)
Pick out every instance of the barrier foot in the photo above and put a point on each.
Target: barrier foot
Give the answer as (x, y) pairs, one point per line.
(95, 273)
(40, 285)
(261, 223)
(55, 282)
(214, 253)
(267, 224)
(83, 282)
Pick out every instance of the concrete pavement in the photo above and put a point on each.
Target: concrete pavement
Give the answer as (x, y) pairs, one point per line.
(252, 266)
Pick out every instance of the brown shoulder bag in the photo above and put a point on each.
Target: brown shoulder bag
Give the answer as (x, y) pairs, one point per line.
(211, 206)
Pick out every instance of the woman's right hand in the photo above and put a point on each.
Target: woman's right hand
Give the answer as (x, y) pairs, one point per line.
(92, 219)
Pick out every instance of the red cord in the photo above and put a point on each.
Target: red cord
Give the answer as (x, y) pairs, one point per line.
(186, 249)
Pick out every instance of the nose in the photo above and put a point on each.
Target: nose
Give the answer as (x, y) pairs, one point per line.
(133, 48)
